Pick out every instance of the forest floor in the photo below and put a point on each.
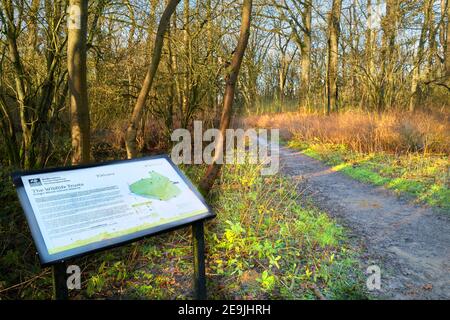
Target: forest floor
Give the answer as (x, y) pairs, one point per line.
(408, 241)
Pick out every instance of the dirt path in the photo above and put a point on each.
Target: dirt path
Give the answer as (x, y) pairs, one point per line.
(410, 243)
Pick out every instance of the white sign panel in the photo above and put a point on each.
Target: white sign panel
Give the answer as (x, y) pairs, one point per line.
(102, 205)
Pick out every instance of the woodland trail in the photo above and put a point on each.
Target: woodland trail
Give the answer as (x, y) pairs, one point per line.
(409, 242)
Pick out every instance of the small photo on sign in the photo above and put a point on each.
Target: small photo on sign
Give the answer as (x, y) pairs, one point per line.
(36, 182)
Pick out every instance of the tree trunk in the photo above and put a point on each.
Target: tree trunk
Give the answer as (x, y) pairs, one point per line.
(370, 35)
(230, 84)
(281, 82)
(415, 81)
(389, 26)
(212, 94)
(333, 42)
(447, 46)
(187, 74)
(136, 116)
(282, 75)
(305, 63)
(8, 132)
(26, 149)
(76, 65)
(33, 25)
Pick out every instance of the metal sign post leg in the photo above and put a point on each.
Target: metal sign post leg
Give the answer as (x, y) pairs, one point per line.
(198, 242)
(60, 291)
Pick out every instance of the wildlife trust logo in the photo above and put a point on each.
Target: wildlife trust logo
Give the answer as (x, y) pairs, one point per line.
(35, 182)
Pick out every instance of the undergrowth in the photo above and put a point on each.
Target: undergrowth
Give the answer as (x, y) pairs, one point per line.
(263, 244)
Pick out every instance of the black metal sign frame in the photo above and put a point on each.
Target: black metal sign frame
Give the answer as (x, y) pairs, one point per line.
(58, 260)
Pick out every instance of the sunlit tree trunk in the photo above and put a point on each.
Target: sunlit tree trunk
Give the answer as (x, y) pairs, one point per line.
(32, 24)
(282, 73)
(20, 84)
(148, 81)
(389, 26)
(9, 133)
(35, 93)
(415, 95)
(187, 66)
(131, 58)
(305, 62)
(332, 68)
(76, 65)
(281, 83)
(212, 94)
(447, 45)
(230, 84)
(174, 59)
(370, 34)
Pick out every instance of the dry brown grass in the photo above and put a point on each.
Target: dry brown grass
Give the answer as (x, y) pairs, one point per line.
(365, 132)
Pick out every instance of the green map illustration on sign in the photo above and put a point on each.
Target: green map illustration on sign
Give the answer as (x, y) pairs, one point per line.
(156, 186)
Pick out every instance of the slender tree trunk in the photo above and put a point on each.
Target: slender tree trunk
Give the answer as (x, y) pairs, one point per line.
(369, 57)
(282, 74)
(76, 65)
(442, 32)
(32, 24)
(230, 84)
(212, 94)
(148, 81)
(175, 65)
(447, 45)
(389, 26)
(187, 57)
(131, 58)
(354, 41)
(172, 91)
(432, 44)
(27, 149)
(332, 69)
(305, 62)
(281, 78)
(430, 70)
(9, 133)
(415, 81)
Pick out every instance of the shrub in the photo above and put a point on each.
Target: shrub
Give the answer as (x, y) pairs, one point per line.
(396, 132)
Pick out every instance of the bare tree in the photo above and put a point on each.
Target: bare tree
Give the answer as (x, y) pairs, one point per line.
(415, 96)
(302, 36)
(188, 58)
(332, 68)
(230, 85)
(148, 81)
(76, 65)
(305, 62)
(33, 81)
(447, 45)
(389, 26)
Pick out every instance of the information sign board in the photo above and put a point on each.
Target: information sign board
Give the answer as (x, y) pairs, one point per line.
(77, 210)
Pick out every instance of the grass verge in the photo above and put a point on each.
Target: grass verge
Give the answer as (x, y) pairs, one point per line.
(423, 176)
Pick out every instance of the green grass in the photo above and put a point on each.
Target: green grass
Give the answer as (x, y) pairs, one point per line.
(264, 243)
(423, 176)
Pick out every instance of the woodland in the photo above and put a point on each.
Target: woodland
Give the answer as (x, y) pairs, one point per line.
(361, 85)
